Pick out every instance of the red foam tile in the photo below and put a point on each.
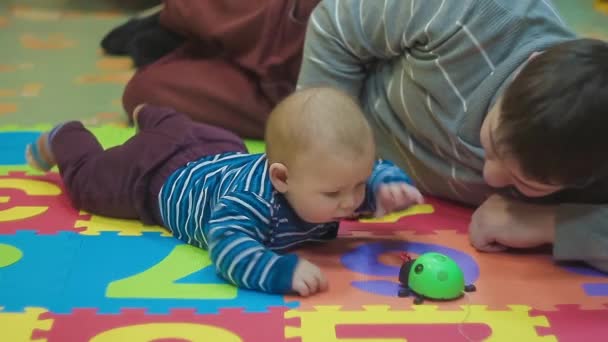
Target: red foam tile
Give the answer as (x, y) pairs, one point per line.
(445, 216)
(415, 332)
(85, 324)
(570, 323)
(59, 216)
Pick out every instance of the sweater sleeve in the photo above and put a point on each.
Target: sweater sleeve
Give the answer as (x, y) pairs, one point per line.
(384, 172)
(235, 236)
(346, 38)
(581, 234)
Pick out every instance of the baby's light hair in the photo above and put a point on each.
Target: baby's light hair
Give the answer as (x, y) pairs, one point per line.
(320, 119)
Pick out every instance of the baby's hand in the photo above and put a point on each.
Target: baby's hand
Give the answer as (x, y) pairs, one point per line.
(396, 196)
(308, 279)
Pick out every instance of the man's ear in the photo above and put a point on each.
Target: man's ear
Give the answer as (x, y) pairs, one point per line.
(278, 177)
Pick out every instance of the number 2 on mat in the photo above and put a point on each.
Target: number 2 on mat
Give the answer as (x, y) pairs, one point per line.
(159, 281)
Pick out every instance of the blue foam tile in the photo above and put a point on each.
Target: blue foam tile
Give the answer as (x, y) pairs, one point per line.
(66, 271)
(39, 276)
(596, 289)
(12, 145)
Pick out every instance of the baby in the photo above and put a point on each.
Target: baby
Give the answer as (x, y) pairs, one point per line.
(247, 210)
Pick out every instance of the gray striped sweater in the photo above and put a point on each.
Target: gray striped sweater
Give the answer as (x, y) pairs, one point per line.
(426, 73)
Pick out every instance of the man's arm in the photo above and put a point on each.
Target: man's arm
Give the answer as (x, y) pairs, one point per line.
(581, 225)
(600, 265)
(581, 233)
(345, 38)
(234, 235)
(578, 232)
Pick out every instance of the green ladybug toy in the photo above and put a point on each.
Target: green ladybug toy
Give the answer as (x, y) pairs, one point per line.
(433, 276)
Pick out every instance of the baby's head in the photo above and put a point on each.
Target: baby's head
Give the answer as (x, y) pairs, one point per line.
(320, 152)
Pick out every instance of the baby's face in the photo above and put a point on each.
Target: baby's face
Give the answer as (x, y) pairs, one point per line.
(328, 189)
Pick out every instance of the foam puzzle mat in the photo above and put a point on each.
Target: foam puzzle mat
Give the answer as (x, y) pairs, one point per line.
(72, 276)
(69, 276)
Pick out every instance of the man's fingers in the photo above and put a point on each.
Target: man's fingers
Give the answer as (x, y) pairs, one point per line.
(482, 241)
(492, 248)
(477, 236)
(487, 246)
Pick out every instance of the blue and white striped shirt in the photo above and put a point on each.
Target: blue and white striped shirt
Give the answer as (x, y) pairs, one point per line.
(226, 203)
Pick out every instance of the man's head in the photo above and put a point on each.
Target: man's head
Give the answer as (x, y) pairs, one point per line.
(320, 152)
(549, 130)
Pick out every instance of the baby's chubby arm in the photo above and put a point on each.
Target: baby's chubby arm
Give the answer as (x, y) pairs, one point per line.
(389, 189)
(235, 237)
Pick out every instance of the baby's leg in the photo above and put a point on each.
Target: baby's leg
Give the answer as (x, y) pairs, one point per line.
(172, 123)
(165, 119)
(38, 154)
(217, 140)
(98, 181)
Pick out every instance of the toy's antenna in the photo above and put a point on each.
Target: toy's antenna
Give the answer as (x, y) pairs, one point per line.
(405, 257)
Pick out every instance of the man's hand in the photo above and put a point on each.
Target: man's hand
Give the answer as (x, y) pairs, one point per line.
(308, 279)
(396, 196)
(500, 223)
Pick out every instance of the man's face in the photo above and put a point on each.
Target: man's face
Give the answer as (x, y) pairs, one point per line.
(503, 170)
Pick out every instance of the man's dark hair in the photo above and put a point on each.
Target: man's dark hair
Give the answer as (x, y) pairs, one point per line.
(554, 115)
